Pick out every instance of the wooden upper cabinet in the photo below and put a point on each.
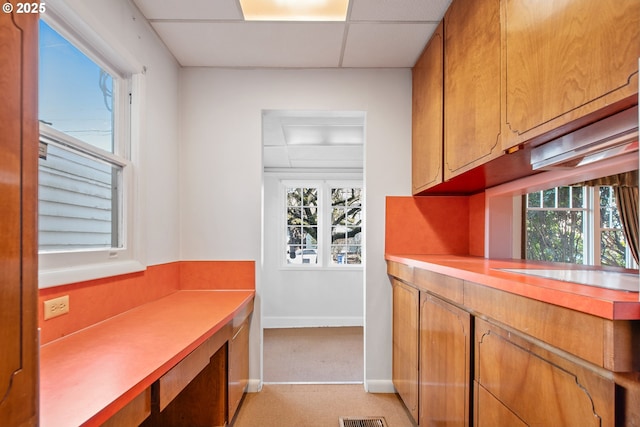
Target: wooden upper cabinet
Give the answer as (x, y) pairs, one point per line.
(427, 140)
(567, 63)
(471, 85)
(18, 210)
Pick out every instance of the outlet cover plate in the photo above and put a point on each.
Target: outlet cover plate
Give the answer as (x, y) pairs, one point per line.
(56, 307)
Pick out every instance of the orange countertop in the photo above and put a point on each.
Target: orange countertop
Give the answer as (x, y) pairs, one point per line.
(602, 302)
(89, 375)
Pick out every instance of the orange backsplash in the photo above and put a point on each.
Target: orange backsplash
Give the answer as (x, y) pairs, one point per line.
(93, 301)
(435, 225)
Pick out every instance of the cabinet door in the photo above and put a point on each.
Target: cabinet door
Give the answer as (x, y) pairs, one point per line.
(491, 413)
(566, 60)
(445, 359)
(427, 139)
(238, 376)
(18, 210)
(405, 344)
(540, 387)
(471, 85)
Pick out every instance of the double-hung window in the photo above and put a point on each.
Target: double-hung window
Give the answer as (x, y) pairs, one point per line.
(85, 171)
(576, 224)
(323, 224)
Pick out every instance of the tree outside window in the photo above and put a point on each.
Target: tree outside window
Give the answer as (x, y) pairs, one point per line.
(324, 225)
(346, 226)
(561, 223)
(302, 225)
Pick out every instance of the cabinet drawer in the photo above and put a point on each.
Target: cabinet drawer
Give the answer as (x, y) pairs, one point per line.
(174, 381)
(134, 413)
(540, 387)
(400, 271)
(447, 287)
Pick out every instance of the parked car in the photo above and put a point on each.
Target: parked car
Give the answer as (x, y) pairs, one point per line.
(304, 256)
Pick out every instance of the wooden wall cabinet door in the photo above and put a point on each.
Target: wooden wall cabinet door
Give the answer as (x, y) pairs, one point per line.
(18, 227)
(471, 85)
(428, 81)
(445, 360)
(539, 387)
(406, 300)
(567, 63)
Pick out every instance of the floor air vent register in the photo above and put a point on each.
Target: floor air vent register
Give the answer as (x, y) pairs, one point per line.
(362, 422)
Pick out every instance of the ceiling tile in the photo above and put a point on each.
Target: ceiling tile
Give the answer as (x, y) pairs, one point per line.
(385, 45)
(253, 44)
(190, 9)
(398, 10)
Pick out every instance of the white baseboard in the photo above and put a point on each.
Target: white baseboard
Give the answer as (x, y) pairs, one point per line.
(379, 386)
(371, 386)
(310, 322)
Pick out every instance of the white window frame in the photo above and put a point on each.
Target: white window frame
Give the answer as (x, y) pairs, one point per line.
(503, 203)
(591, 229)
(324, 187)
(60, 268)
(598, 230)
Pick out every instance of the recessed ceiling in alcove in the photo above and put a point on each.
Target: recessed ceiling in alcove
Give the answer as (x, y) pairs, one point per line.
(313, 139)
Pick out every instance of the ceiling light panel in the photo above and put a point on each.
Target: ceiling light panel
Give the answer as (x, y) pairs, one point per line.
(294, 10)
(323, 135)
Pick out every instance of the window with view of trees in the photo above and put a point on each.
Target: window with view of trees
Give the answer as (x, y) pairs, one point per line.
(346, 226)
(575, 224)
(302, 225)
(312, 209)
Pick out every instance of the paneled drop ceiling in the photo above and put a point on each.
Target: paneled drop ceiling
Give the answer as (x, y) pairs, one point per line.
(376, 34)
(313, 140)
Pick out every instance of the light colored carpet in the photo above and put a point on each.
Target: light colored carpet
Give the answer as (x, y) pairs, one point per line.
(317, 405)
(314, 355)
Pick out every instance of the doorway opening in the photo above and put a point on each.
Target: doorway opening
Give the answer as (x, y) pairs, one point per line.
(313, 257)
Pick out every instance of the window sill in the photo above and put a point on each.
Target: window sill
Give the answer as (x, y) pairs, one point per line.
(316, 268)
(67, 275)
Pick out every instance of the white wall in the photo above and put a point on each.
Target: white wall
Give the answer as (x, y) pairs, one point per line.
(123, 31)
(304, 297)
(221, 184)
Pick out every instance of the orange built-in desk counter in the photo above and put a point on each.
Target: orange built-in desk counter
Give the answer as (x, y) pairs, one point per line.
(128, 367)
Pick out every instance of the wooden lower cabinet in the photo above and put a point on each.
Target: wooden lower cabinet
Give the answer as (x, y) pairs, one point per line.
(431, 357)
(535, 385)
(491, 413)
(405, 344)
(445, 359)
(238, 376)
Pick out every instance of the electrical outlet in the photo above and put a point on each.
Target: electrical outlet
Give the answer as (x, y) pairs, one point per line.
(56, 307)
